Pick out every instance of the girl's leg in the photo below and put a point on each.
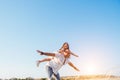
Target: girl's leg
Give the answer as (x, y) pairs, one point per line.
(49, 72)
(57, 76)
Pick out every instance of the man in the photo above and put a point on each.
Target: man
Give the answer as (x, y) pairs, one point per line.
(58, 60)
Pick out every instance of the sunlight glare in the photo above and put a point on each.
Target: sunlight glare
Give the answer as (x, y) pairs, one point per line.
(90, 69)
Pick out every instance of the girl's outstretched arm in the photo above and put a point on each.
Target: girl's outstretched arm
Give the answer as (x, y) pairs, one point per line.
(45, 53)
(74, 54)
(72, 65)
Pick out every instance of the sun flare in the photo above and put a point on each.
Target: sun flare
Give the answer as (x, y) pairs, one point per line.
(90, 69)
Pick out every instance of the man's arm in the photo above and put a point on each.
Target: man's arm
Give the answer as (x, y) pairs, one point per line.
(72, 65)
(45, 53)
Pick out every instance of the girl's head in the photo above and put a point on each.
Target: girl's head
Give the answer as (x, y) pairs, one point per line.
(65, 49)
(65, 46)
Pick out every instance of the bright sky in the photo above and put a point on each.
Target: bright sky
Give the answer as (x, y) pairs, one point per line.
(91, 27)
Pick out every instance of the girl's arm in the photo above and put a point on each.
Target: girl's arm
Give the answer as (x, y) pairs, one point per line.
(45, 53)
(74, 54)
(72, 65)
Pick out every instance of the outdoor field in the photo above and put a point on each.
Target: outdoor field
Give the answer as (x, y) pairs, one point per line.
(85, 77)
(63, 39)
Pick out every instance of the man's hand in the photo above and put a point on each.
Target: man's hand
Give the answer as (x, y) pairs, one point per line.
(77, 69)
(41, 53)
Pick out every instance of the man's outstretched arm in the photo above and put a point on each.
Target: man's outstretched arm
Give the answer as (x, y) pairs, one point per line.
(72, 65)
(45, 53)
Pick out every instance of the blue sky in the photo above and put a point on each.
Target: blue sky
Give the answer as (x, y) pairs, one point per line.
(91, 27)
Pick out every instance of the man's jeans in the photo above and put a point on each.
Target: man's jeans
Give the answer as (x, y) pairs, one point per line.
(50, 73)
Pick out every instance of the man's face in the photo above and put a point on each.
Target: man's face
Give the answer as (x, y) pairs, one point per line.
(66, 54)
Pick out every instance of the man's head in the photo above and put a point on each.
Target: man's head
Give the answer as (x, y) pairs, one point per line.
(66, 53)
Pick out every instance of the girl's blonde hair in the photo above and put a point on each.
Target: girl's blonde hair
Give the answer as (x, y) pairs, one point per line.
(63, 46)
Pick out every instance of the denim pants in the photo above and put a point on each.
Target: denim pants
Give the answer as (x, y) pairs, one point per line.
(50, 73)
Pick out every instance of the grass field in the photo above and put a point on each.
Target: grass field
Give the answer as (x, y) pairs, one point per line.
(91, 77)
(83, 77)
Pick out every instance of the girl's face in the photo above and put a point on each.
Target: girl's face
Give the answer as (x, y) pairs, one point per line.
(65, 46)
